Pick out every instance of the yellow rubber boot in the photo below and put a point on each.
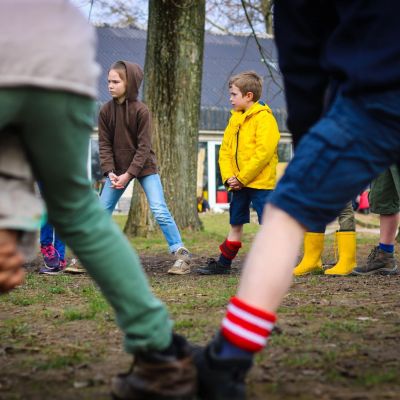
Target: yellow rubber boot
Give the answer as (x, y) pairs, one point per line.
(346, 245)
(313, 247)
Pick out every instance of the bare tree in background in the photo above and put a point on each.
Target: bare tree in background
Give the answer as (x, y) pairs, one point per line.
(221, 15)
(173, 69)
(227, 15)
(121, 13)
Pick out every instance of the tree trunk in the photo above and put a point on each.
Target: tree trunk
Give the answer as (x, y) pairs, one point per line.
(173, 69)
(266, 7)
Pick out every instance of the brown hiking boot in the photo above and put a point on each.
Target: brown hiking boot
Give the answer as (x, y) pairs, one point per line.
(159, 375)
(379, 262)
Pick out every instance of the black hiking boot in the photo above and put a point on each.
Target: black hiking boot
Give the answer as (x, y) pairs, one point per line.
(379, 262)
(159, 375)
(220, 378)
(214, 267)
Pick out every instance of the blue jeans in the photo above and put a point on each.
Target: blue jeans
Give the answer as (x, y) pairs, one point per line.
(352, 144)
(153, 189)
(49, 236)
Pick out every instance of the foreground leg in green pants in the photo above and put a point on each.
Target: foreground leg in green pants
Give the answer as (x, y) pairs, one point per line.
(54, 128)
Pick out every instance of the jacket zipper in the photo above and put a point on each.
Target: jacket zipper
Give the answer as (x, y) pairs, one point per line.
(237, 147)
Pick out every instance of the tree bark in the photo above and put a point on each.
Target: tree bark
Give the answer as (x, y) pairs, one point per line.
(172, 91)
(266, 6)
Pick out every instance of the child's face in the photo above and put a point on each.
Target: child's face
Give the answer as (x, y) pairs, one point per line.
(116, 86)
(239, 101)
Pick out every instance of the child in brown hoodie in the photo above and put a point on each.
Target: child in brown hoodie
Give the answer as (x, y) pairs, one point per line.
(43, 110)
(126, 153)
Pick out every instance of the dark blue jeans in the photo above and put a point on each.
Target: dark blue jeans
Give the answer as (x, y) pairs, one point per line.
(239, 209)
(353, 143)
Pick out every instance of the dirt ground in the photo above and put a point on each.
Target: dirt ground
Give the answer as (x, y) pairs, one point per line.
(336, 339)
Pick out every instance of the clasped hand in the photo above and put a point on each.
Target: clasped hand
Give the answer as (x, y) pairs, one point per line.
(234, 183)
(119, 181)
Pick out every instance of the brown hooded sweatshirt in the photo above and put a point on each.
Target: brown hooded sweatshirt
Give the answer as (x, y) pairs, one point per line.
(125, 132)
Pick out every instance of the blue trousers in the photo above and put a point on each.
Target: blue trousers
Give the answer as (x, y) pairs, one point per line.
(153, 189)
(239, 209)
(49, 236)
(353, 143)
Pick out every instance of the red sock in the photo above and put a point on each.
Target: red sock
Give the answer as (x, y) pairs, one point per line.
(229, 249)
(247, 327)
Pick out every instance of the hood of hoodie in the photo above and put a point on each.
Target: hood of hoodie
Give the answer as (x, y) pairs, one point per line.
(134, 76)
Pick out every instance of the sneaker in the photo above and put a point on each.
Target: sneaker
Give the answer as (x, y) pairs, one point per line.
(214, 267)
(156, 375)
(74, 268)
(379, 262)
(51, 271)
(50, 256)
(182, 263)
(220, 378)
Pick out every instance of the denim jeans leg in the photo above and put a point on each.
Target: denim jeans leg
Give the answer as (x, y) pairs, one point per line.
(46, 234)
(155, 196)
(60, 246)
(109, 196)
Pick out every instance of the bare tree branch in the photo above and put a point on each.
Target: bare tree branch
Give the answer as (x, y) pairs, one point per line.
(260, 48)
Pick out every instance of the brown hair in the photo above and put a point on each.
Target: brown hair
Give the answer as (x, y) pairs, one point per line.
(248, 81)
(120, 68)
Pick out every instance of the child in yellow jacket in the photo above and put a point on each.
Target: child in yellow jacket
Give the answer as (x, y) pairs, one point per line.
(247, 159)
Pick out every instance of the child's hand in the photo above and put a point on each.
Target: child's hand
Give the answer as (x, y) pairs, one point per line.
(114, 181)
(112, 177)
(231, 181)
(121, 181)
(234, 183)
(11, 260)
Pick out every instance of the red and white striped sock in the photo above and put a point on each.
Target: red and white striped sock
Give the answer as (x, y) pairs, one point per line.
(247, 327)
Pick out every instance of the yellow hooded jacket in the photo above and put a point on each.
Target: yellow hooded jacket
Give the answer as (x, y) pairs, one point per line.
(249, 147)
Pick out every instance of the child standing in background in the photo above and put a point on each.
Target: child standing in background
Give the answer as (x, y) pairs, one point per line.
(52, 249)
(247, 159)
(126, 154)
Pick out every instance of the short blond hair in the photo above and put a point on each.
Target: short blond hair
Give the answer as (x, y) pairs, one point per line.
(248, 81)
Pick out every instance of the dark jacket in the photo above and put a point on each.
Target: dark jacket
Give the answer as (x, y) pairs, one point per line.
(125, 132)
(353, 45)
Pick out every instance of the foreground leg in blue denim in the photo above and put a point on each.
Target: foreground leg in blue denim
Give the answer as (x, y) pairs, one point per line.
(358, 139)
(155, 196)
(109, 196)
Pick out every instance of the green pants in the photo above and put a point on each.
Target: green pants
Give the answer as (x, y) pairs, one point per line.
(54, 128)
(384, 197)
(347, 221)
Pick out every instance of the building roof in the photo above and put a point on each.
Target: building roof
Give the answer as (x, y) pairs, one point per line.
(224, 56)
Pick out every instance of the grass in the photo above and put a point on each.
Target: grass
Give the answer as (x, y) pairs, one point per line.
(216, 228)
(54, 325)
